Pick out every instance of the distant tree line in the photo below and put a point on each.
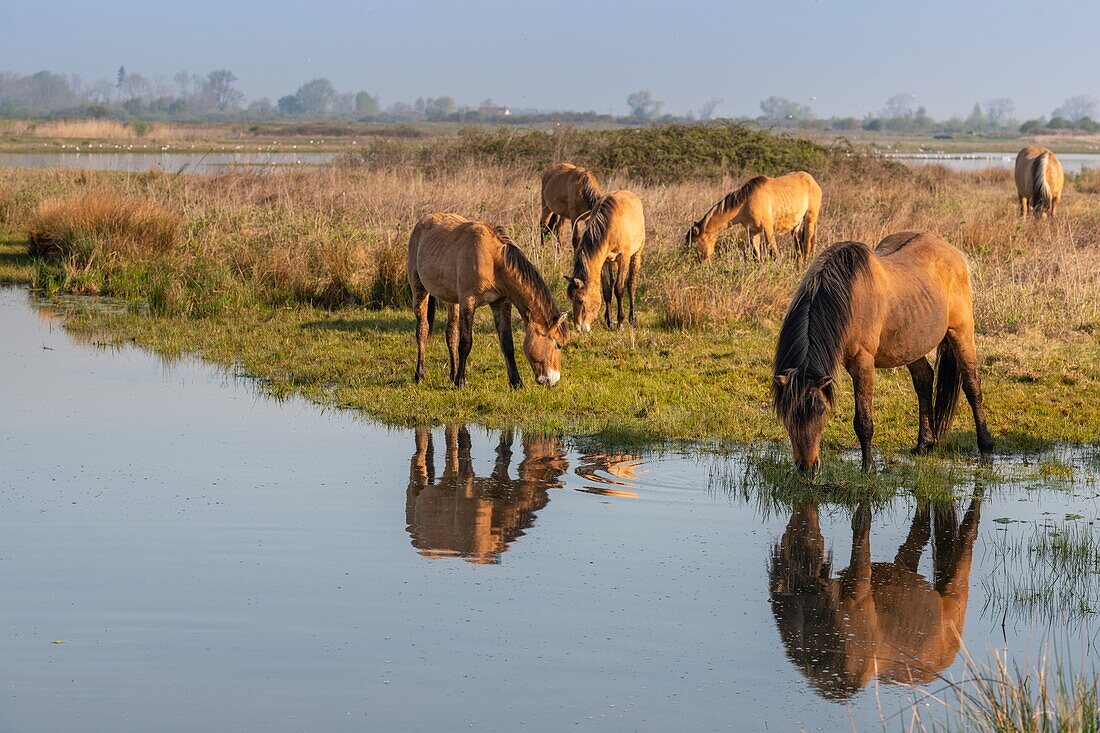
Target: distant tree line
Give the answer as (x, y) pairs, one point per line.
(216, 96)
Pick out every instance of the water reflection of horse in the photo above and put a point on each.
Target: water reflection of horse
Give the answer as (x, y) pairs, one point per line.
(477, 517)
(877, 619)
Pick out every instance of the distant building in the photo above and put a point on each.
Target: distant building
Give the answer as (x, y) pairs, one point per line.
(494, 111)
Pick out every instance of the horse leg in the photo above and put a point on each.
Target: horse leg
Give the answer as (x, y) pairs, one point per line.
(773, 243)
(856, 581)
(1053, 206)
(502, 317)
(620, 286)
(1023, 205)
(420, 308)
(545, 223)
(923, 377)
(963, 343)
(809, 231)
(754, 244)
(465, 339)
(862, 370)
(606, 289)
(452, 338)
(632, 282)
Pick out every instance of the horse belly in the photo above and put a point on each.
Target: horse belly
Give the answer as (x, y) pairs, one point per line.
(903, 343)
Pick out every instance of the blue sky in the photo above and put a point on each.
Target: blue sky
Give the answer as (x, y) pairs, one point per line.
(838, 57)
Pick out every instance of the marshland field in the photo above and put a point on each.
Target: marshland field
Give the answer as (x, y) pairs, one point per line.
(299, 532)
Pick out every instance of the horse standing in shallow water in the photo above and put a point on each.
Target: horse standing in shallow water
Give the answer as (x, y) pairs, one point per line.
(468, 264)
(608, 248)
(568, 191)
(789, 203)
(1039, 181)
(877, 309)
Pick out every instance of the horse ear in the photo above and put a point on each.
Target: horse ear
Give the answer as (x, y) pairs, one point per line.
(781, 380)
(567, 278)
(562, 325)
(825, 382)
(578, 282)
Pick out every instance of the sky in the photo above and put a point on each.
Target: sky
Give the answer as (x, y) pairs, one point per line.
(839, 57)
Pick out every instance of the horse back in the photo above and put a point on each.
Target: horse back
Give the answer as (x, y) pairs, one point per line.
(452, 257)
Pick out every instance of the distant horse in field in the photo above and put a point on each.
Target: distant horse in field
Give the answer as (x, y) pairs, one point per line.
(869, 309)
(608, 248)
(1039, 181)
(477, 517)
(874, 619)
(567, 192)
(467, 264)
(790, 203)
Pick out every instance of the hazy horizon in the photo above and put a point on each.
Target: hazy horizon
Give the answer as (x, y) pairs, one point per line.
(839, 60)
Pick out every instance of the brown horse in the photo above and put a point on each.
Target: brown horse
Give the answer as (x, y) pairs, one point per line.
(468, 264)
(477, 517)
(567, 192)
(879, 309)
(874, 619)
(790, 203)
(1039, 181)
(613, 238)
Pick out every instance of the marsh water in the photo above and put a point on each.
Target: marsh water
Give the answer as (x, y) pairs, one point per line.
(180, 552)
(167, 162)
(1071, 162)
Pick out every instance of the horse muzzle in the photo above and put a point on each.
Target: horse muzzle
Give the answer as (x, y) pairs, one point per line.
(549, 379)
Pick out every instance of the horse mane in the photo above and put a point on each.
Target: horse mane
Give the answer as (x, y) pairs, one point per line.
(590, 189)
(595, 232)
(519, 267)
(732, 200)
(816, 324)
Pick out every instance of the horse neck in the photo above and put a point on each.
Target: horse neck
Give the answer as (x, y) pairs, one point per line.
(720, 218)
(526, 299)
(591, 262)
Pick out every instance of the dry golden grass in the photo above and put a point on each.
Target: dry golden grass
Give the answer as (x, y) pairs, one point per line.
(337, 235)
(101, 224)
(102, 129)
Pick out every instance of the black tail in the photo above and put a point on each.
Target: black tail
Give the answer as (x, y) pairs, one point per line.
(948, 384)
(431, 313)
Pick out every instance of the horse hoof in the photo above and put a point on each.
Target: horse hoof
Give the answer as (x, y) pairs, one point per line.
(922, 449)
(516, 385)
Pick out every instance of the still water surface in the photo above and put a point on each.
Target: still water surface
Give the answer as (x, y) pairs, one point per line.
(164, 162)
(1071, 162)
(215, 560)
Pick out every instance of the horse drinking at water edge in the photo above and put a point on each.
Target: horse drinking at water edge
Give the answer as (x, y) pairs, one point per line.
(789, 203)
(869, 309)
(610, 250)
(467, 264)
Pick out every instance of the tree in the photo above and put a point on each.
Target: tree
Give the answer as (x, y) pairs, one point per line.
(436, 108)
(261, 106)
(643, 106)
(781, 108)
(999, 111)
(976, 120)
(1031, 127)
(706, 112)
(219, 86)
(366, 105)
(1077, 107)
(290, 105)
(899, 105)
(316, 97)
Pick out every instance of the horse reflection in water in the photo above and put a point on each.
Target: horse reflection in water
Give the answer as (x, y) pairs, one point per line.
(874, 619)
(475, 517)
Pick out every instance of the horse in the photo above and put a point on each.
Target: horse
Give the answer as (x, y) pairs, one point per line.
(612, 240)
(1039, 181)
(874, 619)
(878, 309)
(477, 517)
(467, 264)
(567, 192)
(789, 203)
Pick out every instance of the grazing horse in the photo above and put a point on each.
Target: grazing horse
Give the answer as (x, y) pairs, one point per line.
(877, 309)
(790, 203)
(468, 264)
(1039, 181)
(568, 191)
(612, 240)
(477, 517)
(874, 619)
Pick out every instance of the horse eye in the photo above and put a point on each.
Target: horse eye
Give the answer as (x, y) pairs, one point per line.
(558, 345)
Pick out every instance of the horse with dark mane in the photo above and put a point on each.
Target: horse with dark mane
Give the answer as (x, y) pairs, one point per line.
(568, 191)
(467, 264)
(789, 203)
(607, 246)
(867, 309)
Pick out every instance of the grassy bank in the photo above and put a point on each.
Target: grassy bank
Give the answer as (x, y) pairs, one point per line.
(298, 277)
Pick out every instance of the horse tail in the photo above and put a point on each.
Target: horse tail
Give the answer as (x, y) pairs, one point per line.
(431, 313)
(1041, 197)
(948, 384)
